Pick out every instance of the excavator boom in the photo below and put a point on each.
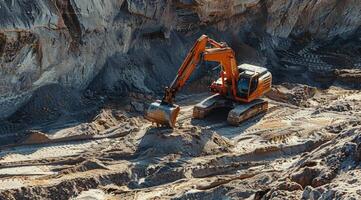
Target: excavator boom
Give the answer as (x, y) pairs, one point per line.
(188, 67)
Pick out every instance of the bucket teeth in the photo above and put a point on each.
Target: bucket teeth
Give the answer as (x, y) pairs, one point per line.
(162, 114)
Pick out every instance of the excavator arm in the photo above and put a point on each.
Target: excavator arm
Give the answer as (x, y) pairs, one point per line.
(165, 112)
(188, 66)
(219, 52)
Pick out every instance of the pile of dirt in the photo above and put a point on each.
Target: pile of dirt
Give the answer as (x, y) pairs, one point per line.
(340, 106)
(35, 137)
(108, 122)
(187, 141)
(84, 166)
(92, 195)
(295, 94)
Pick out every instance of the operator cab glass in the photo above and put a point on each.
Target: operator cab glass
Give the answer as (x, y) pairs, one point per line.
(254, 84)
(243, 86)
(247, 84)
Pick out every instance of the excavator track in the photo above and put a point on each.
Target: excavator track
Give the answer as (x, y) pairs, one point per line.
(242, 112)
(202, 109)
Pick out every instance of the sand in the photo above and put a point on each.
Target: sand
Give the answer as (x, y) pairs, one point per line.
(290, 152)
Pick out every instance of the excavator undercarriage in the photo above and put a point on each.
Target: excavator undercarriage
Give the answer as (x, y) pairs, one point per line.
(239, 112)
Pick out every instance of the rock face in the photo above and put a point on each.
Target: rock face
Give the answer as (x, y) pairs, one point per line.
(137, 45)
(322, 19)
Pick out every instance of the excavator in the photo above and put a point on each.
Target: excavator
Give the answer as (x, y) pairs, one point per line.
(238, 87)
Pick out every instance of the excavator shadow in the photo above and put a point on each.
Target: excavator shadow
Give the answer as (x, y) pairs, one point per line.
(216, 117)
(217, 121)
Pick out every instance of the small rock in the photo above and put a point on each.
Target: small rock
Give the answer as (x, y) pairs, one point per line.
(139, 107)
(289, 186)
(310, 193)
(324, 179)
(305, 176)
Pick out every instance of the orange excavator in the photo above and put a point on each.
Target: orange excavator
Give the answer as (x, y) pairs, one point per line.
(238, 87)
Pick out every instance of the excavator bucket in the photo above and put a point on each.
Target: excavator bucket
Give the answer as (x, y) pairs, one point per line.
(162, 114)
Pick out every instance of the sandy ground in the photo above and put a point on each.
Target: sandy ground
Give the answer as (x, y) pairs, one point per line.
(306, 146)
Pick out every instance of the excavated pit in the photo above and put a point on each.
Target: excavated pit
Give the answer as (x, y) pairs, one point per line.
(76, 77)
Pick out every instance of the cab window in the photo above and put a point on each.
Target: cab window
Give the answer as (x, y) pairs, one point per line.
(243, 87)
(254, 84)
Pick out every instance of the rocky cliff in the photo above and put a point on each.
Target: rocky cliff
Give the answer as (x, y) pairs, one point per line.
(137, 45)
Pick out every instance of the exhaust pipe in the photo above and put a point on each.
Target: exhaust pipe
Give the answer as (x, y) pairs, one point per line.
(162, 113)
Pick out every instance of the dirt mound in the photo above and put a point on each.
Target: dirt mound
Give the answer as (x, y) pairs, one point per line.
(92, 195)
(35, 137)
(85, 166)
(106, 123)
(190, 141)
(340, 106)
(295, 94)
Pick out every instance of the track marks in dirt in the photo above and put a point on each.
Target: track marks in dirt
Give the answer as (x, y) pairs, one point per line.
(156, 162)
